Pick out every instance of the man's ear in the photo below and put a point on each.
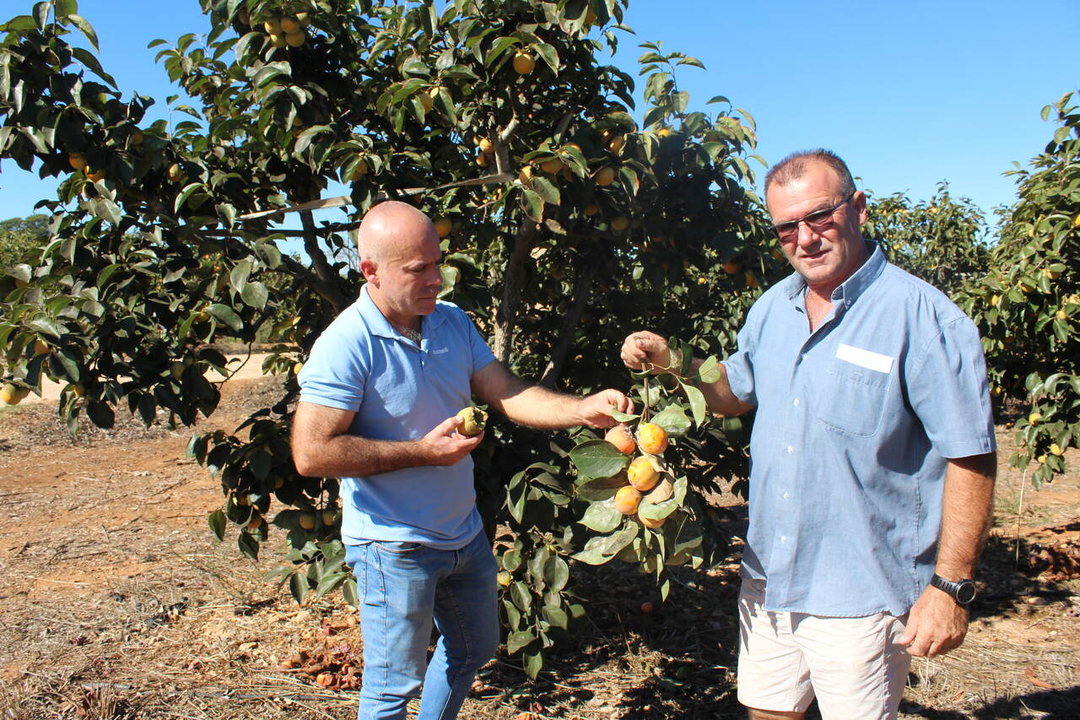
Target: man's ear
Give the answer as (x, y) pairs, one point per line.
(370, 270)
(859, 203)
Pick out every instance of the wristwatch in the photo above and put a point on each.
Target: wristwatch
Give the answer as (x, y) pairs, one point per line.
(962, 591)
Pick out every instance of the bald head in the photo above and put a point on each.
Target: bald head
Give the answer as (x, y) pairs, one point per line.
(390, 229)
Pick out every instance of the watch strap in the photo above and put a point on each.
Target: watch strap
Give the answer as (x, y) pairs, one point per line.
(962, 591)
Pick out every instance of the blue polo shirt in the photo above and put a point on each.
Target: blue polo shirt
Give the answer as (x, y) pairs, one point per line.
(854, 424)
(400, 391)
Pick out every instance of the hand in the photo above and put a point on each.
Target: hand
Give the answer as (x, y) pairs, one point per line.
(644, 350)
(596, 408)
(936, 624)
(445, 446)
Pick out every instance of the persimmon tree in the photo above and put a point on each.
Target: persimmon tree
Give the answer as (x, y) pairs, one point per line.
(1028, 305)
(567, 222)
(943, 240)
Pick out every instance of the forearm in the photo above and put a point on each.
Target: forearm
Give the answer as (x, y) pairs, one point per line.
(718, 395)
(540, 408)
(353, 456)
(966, 507)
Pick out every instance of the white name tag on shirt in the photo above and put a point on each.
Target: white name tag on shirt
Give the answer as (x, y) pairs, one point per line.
(864, 358)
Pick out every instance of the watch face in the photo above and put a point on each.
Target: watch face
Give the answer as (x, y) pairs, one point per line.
(965, 592)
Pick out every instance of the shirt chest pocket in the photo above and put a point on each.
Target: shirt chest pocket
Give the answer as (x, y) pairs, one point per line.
(852, 401)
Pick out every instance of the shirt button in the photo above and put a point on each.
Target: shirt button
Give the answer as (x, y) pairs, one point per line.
(786, 495)
(783, 539)
(790, 449)
(795, 402)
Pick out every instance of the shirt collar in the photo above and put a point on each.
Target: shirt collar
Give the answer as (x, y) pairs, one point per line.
(381, 327)
(849, 290)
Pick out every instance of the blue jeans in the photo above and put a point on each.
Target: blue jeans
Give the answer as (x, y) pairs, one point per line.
(404, 587)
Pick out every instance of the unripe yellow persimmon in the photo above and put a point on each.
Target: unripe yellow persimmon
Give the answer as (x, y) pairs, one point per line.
(444, 226)
(627, 499)
(524, 63)
(473, 420)
(605, 176)
(652, 438)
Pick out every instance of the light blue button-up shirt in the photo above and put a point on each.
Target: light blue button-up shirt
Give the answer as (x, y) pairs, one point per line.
(400, 391)
(854, 424)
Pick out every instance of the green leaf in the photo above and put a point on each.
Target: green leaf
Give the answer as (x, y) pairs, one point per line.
(255, 294)
(534, 661)
(709, 371)
(518, 640)
(239, 274)
(598, 550)
(698, 406)
(519, 593)
(248, 545)
(217, 522)
(556, 616)
(673, 419)
(598, 459)
(556, 573)
(298, 586)
(600, 489)
(533, 205)
(227, 315)
(601, 517)
(87, 30)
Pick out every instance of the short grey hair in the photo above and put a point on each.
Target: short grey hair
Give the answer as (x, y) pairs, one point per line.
(796, 164)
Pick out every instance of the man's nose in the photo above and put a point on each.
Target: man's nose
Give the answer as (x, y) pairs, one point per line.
(807, 235)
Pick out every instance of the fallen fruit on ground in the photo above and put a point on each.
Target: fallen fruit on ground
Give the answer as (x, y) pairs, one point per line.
(620, 437)
(643, 473)
(652, 438)
(473, 420)
(627, 499)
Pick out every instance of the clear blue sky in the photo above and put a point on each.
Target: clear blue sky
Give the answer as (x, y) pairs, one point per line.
(909, 93)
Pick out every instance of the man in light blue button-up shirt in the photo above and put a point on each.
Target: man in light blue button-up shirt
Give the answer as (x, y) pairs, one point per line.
(378, 402)
(872, 460)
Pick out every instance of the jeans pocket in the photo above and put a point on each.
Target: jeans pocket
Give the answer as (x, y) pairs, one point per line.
(399, 548)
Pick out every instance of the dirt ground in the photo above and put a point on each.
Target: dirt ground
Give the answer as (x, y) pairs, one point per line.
(117, 602)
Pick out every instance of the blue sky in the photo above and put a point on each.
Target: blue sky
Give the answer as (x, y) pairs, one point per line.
(909, 93)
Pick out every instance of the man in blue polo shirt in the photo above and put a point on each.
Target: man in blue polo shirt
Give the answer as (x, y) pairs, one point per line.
(872, 460)
(378, 403)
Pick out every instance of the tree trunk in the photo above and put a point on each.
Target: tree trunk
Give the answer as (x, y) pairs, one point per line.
(571, 321)
(513, 281)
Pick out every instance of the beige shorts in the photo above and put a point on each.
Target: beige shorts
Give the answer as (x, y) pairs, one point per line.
(853, 666)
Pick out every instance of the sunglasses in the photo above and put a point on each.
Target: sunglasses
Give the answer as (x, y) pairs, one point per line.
(818, 221)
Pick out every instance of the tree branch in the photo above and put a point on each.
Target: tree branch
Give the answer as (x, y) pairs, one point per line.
(326, 282)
